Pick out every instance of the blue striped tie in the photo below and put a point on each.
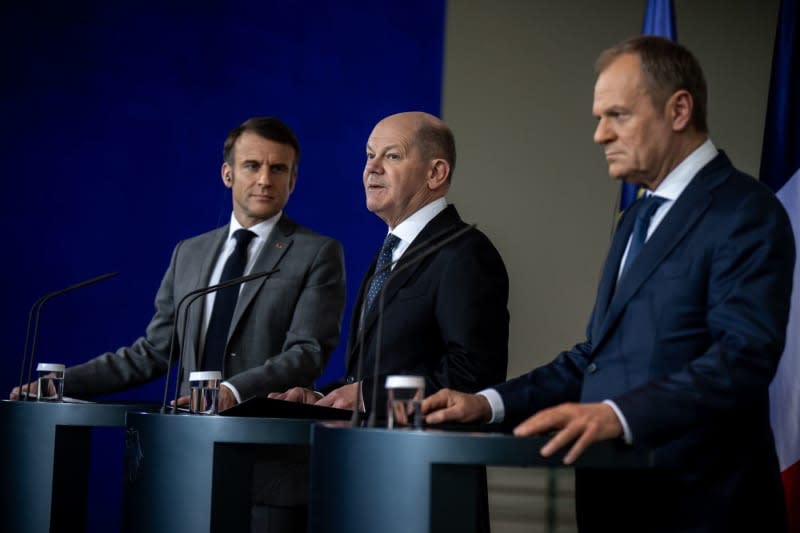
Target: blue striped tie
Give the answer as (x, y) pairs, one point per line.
(381, 268)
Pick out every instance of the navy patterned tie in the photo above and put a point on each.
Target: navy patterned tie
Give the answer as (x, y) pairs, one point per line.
(225, 303)
(384, 259)
(640, 225)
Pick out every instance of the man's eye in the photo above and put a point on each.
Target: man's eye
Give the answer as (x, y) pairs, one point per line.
(392, 156)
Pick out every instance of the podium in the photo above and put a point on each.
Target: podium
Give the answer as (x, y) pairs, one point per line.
(190, 473)
(395, 481)
(44, 453)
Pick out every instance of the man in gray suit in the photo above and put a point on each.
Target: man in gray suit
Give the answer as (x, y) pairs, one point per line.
(283, 327)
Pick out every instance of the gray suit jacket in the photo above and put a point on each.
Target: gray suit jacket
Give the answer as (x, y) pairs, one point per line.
(282, 332)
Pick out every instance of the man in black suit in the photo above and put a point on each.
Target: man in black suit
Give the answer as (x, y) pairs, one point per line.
(444, 316)
(688, 325)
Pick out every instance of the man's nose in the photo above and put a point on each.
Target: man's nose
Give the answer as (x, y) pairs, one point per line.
(602, 133)
(264, 178)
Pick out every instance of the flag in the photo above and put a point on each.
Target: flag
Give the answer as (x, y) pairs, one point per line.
(659, 19)
(780, 169)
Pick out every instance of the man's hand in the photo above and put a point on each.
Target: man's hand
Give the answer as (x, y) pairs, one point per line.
(452, 406)
(342, 398)
(583, 423)
(31, 388)
(296, 394)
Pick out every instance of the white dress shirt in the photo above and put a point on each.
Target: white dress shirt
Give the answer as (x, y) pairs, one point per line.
(262, 231)
(408, 229)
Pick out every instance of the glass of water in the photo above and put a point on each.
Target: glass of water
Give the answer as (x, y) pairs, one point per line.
(50, 374)
(204, 392)
(405, 394)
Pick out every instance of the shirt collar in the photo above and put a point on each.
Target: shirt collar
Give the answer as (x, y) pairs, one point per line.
(262, 229)
(680, 177)
(408, 229)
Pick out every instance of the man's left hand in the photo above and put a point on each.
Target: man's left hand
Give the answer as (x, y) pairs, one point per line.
(583, 423)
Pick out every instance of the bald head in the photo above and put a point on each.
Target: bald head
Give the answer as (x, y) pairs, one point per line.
(430, 135)
(410, 157)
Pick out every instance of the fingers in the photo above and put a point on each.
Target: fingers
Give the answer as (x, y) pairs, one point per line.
(226, 399)
(295, 394)
(436, 401)
(27, 388)
(451, 406)
(342, 398)
(183, 400)
(581, 424)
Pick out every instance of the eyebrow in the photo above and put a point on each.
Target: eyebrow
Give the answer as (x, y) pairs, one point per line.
(389, 147)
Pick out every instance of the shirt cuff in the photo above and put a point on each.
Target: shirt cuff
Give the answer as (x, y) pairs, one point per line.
(626, 430)
(233, 390)
(496, 404)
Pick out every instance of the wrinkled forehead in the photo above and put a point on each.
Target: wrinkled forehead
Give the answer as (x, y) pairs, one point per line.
(393, 131)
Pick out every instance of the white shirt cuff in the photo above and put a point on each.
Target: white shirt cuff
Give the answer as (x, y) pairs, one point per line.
(233, 390)
(496, 404)
(626, 430)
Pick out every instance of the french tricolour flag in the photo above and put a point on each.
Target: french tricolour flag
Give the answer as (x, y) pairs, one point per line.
(780, 169)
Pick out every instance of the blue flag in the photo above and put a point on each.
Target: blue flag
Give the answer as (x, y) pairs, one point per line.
(780, 170)
(659, 19)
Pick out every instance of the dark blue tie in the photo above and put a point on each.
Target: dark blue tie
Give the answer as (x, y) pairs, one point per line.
(225, 303)
(640, 225)
(382, 270)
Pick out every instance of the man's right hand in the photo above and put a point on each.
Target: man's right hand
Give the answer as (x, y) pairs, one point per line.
(453, 406)
(296, 394)
(31, 388)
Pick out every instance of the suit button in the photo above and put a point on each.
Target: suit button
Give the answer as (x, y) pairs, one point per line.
(351, 379)
(591, 369)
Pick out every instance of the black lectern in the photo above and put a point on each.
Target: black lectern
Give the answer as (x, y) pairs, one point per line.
(190, 473)
(44, 453)
(395, 481)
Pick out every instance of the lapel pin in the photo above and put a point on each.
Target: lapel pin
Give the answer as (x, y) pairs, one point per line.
(279, 245)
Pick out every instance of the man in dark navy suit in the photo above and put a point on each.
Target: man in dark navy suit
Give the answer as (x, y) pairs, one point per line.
(688, 325)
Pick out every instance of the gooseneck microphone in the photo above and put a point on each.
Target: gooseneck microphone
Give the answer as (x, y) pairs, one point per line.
(412, 256)
(189, 299)
(33, 318)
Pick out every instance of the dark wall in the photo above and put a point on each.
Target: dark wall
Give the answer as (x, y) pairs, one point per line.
(113, 117)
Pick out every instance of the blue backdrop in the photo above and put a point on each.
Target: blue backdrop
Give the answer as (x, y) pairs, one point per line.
(113, 118)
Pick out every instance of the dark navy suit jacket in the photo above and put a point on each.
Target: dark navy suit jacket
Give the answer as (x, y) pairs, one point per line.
(686, 345)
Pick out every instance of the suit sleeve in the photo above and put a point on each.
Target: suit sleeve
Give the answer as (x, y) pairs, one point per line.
(133, 365)
(747, 288)
(313, 332)
(471, 311)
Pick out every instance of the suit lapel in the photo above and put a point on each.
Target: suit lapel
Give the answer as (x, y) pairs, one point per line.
(194, 313)
(399, 278)
(608, 280)
(682, 217)
(274, 250)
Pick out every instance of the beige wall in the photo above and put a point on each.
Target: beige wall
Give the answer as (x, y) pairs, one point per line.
(517, 93)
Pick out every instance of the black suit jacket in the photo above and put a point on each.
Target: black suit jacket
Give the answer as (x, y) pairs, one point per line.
(444, 317)
(686, 345)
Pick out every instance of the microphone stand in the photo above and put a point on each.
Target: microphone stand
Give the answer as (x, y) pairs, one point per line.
(192, 297)
(36, 309)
